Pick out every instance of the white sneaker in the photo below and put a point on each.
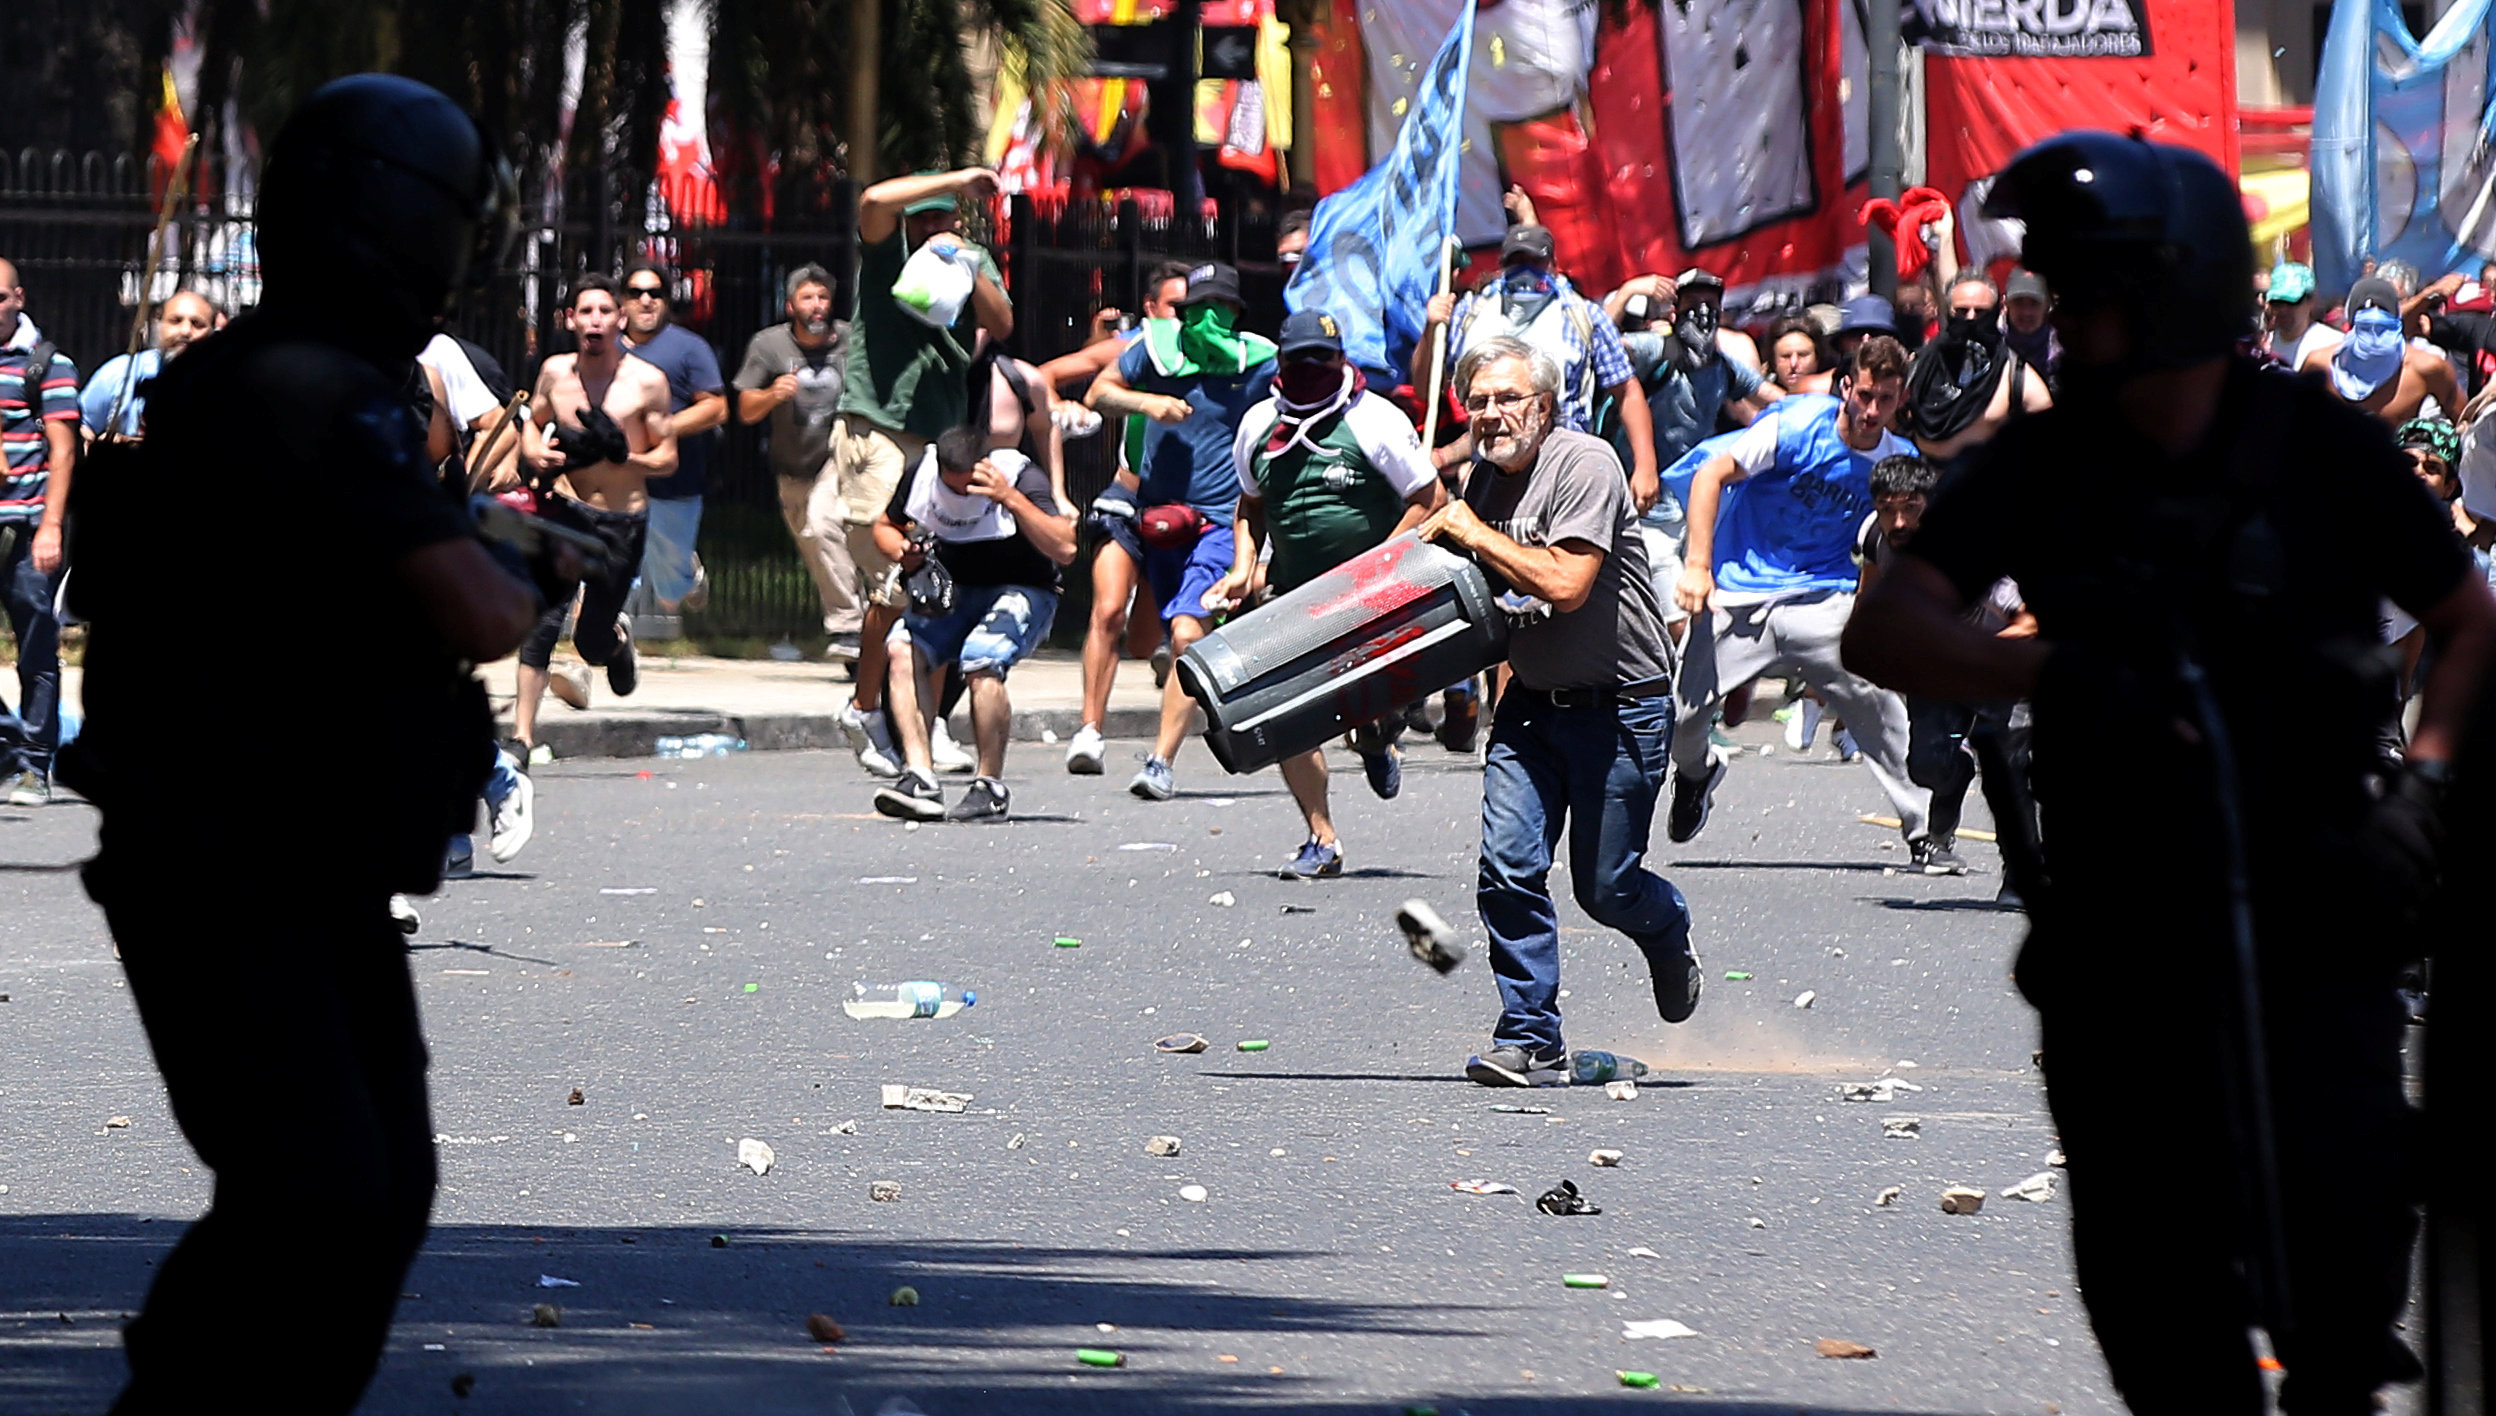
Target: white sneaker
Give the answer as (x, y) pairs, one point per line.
(872, 738)
(945, 752)
(1803, 726)
(1084, 756)
(514, 820)
(403, 914)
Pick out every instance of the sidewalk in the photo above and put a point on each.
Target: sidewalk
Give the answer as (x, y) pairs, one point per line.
(776, 706)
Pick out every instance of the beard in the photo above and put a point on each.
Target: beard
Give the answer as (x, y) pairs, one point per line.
(1515, 437)
(816, 328)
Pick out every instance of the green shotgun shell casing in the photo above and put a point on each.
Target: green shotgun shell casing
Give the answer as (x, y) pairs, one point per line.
(1585, 1280)
(1068, 941)
(1254, 1044)
(1636, 1379)
(1100, 1357)
(1738, 975)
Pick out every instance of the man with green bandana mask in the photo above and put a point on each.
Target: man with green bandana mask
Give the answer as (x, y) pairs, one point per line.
(1193, 379)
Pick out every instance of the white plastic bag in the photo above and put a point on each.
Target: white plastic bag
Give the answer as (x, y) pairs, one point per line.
(936, 282)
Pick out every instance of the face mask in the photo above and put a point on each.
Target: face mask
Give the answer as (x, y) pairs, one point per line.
(1209, 337)
(2371, 354)
(1974, 329)
(1524, 291)
(1304, 383)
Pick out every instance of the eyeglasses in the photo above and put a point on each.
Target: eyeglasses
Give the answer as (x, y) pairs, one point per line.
(646, 292)
(1504, 402)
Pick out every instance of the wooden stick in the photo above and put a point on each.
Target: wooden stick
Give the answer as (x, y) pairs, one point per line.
(482, 456)
(1438, 361)
(177, 186)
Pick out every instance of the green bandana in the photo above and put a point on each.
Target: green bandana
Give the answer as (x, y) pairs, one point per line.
(1204, 340)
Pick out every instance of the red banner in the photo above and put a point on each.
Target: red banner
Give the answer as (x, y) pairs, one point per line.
(1339, 149)
(1743, 172)
(1978, 112)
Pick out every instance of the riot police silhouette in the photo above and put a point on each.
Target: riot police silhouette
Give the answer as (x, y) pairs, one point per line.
(296, 1015)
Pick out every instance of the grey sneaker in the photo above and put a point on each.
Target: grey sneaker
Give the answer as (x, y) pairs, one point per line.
(31, 788)
(1515, 1067)
(912, 797)
(986, 800)
(1936, 855)
(1156, 782)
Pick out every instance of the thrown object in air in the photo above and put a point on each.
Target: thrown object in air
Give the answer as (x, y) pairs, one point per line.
(1428, 936)
(1384, 630)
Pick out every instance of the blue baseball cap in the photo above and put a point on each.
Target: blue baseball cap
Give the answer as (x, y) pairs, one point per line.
(1868, 314)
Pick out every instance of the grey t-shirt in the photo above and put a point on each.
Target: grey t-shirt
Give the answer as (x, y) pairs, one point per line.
(800, 430)
(1576, 491)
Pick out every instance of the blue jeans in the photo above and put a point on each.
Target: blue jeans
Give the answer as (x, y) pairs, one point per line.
(28, 737)
(667, 554)
(990, 629)
(1597, 769)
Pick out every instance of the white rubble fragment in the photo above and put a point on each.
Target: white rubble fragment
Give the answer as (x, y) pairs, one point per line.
(755, 1155)
(2036, 1189)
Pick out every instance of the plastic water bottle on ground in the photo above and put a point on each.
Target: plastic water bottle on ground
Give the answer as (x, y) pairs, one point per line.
(915, 999)
(699, 745)
(1588, 1069)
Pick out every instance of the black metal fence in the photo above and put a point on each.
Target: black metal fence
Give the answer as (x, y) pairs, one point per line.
(78, 228)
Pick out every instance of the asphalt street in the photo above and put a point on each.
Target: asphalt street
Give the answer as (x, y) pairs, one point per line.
(677, 940)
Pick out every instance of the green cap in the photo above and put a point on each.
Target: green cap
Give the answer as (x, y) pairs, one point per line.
(941, 201)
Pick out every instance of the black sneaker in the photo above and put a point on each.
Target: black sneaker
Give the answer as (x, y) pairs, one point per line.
(913, 796)
(985, 801)
(1515, 1067)
(1935, 856)
(1692, 800)
(624, 670)
(1674, 967)
(1460, 721)
(518, 752)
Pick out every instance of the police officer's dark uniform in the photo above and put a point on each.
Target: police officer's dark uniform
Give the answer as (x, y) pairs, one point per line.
(294, 1016)
(2260, 558)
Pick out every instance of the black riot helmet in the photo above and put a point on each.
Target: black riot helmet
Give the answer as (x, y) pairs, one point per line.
(2155, 229)
(381, 196)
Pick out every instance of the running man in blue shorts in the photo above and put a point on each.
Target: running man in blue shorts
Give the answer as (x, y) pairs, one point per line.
(1194, 381)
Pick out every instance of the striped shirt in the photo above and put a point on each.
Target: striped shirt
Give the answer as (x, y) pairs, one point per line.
(54, 400)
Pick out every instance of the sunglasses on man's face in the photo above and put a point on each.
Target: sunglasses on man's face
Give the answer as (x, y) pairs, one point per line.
(646, 292)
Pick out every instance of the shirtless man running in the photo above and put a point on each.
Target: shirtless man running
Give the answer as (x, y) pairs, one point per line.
(611, 435)
(2377, 368)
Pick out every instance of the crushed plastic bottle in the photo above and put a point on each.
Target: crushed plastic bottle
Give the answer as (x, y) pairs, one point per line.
(699, 745)
(917, 998)
(1587, 1069)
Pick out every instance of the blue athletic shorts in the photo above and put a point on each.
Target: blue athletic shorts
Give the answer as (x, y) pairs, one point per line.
(1180, 578)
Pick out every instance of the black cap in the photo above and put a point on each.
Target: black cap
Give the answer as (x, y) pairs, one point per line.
(1531, 243)
(2374, 293)
(2025, 285)
(1697, 279)
(1307, 330)
(1212, 282)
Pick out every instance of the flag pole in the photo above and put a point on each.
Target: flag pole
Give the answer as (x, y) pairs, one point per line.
(1438, 357)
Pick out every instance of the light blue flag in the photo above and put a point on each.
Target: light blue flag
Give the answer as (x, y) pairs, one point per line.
(2404, 156)
(1375, 247)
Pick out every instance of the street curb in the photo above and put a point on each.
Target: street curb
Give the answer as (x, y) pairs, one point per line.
(637, 734)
